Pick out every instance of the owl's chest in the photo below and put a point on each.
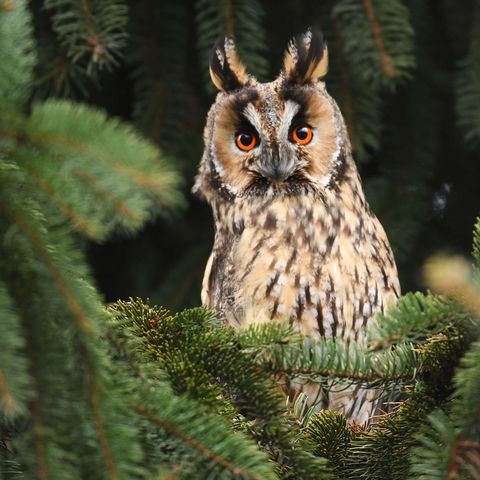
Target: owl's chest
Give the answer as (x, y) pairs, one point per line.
(320, 271)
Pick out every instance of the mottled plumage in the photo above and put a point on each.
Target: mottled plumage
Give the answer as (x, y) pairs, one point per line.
(295, 238)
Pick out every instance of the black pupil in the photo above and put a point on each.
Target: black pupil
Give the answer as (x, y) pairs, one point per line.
(302, 133)
(246, 139)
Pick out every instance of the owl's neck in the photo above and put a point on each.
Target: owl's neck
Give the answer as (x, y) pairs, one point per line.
(344, 201)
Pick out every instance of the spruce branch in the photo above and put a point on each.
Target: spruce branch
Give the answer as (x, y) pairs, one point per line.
(401, 194)
(65, 148)
(79, 223)
(17, 55)
(359, 103)
(158, 55)
(38, 433)
(91, 31)
(331, 361)
(204, 359)
(467, 100)
(219, 451)
(99, 421)
(385, 58)
(385, 450)
(41, 247)
(460, 432)
(378, 40)
(467, 86)
(139, 160)
(171, 426)
(82, 316)
(466, 413)
(413, 317)
(40, 449)
(328, 435)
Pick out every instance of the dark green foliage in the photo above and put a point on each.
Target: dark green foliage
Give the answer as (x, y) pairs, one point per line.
(134, 391)
(204, 360)
(467, 85)
(92, 32)
(352, 363)
(468, 99)
(64, 168)
(377, 40)
(60, 317)
(382, 451)
(329, 436)
(77, 43)
(451, 443)
(163, 104)
(415, 317)
(17, 55)
(367, 56)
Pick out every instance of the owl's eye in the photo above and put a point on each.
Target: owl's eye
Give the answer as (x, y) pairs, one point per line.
(245, 141)
(302, 134)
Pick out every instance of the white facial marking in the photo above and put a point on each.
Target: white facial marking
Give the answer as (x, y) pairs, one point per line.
(253, 116)
(291, 109)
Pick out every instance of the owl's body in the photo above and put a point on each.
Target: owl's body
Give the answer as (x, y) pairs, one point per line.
(295, 238)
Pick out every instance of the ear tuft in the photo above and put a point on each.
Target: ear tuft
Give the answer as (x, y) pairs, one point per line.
(306, 58)
(226, 69)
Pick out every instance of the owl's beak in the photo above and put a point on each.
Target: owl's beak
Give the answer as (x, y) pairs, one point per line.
(277, 169)
(277, 173)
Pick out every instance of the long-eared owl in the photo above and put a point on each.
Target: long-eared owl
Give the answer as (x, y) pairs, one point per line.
(295, 238)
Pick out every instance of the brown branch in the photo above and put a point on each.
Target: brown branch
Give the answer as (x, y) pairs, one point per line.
(7, 6)
(237, 472)
(59, 72)
(346, 96)
(38, 431)
(377, 36)
(88, 16)
(6, 395)
(229, 18)
(334, 373)
(460, 449)
(99, 423)
(93, 41)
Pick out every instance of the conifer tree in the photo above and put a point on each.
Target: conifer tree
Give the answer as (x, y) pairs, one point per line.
(135, 390)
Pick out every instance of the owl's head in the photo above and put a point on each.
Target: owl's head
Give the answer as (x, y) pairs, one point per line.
(284, 137)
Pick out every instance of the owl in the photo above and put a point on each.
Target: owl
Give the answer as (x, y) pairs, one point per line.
(295, 239)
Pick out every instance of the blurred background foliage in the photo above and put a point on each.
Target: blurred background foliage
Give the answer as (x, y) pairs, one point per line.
(405, 74)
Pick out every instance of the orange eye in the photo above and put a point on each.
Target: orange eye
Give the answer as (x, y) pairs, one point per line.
(245, 141)
(302, 135)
